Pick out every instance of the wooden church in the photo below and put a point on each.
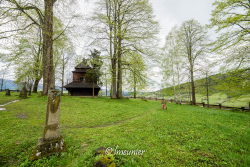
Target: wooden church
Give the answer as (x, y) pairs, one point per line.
(82, 85)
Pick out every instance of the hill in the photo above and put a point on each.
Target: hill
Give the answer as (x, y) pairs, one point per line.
(222, 88)
(8, 84)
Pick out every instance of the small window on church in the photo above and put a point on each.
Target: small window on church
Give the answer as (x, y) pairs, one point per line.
(81, 78)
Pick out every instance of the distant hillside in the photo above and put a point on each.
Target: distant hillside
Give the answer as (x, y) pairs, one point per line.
(10, 84)
(235, 83)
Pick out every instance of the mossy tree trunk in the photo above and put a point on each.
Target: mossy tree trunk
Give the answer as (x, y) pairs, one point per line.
(48, 66)
(35, 87)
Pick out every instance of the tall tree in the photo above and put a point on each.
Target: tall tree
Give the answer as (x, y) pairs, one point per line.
(173, 62)
(137, 77)
(128, 25)
(27, 54)
(47, 33)
(206, 72)
(232, 19)
(94, 74)
(64, 60)
(2, 72)
(19, 16)
(28, 49)
(194, 40)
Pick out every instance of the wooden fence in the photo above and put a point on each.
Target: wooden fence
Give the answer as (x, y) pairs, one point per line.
(218, 106)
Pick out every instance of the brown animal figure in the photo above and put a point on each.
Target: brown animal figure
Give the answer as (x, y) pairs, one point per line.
(164, 104)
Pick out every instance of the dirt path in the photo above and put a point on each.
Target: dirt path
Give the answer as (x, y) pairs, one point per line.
(109, 124)
(3, 109)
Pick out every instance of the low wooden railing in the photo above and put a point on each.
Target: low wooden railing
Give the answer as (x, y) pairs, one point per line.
(217, 106)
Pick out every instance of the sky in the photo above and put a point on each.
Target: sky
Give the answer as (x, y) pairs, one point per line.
(168, 13)
(173, 12)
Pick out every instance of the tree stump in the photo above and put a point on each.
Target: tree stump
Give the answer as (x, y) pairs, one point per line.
(52, 141)
(7, 92)
(23, 93)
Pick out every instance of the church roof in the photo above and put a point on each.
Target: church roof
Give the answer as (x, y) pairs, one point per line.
(81, 85)
(83, 65)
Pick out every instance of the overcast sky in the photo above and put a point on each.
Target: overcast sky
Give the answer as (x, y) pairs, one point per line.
(173, 12)
(168, 13)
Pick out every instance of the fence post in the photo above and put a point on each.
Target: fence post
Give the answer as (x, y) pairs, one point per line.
(220, 105)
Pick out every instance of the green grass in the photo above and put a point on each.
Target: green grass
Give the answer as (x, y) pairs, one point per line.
(182, 136)
(5, 99)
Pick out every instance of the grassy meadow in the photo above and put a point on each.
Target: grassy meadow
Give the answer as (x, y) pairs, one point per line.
(181, 136)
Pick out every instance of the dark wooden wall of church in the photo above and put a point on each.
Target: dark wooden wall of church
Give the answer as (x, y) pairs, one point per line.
(77, 76)
(83, 92)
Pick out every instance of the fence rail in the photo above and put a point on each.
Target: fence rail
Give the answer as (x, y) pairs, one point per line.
(217, 106)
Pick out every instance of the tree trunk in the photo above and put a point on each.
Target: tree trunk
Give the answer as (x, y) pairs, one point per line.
(207, 86)
(112, 43)
(189, 92)
(192, 86)
(35, 87)
(110, 92)
(1, 84)
(52, 140)
(134, 86)
(30, 89)
(106, 87)
(38, 70)
(179, 84)
(119, 53)
(119, 73)
(135, 92)
(63, 71)
(114, 57)
(93, 89)
(113, 93)
(173, 80)
(48, 66)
